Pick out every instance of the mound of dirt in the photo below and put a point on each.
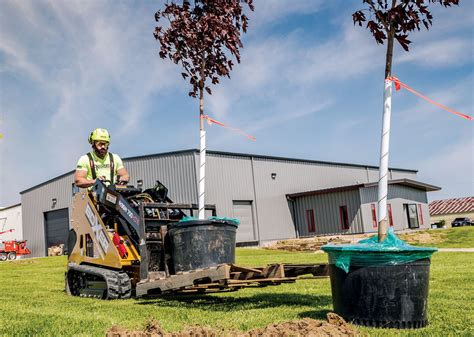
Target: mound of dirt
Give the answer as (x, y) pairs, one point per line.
(422, 237)
(334, 326)
(308, 245)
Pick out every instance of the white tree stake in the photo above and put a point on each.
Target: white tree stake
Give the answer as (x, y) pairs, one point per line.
(202, 174)
(383, 168)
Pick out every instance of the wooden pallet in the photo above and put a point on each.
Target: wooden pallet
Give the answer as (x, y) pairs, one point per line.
(227, 277)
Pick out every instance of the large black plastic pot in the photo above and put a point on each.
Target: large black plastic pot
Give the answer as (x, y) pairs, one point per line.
(202, 243)
(389, 296)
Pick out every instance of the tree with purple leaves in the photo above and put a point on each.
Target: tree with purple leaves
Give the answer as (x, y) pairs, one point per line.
(390, 20)
(202, 37)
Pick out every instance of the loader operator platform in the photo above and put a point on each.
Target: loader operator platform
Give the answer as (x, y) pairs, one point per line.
(100, 163)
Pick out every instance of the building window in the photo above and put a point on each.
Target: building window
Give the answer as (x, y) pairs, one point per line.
(374, 215)
(420, 215)
(390, 216)
(412, 216)
(310, 221)
(344, 217)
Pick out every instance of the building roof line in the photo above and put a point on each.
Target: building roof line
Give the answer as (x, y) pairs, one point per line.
(48, 181)
(260, 156)
(233, 154)
(11, 206)
(404, 182)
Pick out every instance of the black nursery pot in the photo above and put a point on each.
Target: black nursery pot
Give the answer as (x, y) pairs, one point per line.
(387, 296)
(200, 244)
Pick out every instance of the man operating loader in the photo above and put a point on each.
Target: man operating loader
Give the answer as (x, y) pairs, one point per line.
(100, 163)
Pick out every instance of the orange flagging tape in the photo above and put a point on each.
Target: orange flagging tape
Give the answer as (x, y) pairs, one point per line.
(399, 84)
(211, 121)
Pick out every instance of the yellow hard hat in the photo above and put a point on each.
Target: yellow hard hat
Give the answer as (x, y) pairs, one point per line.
(99, 135)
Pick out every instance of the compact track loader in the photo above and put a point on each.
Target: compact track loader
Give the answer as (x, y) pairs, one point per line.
(120, 246)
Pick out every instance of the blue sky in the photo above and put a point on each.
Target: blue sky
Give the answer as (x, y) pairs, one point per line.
(310, 86)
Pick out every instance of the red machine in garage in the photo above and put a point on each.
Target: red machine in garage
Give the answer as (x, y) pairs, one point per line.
(9, 250)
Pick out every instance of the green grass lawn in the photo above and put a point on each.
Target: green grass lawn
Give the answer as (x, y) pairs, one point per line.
(33, 301)
(459, 237)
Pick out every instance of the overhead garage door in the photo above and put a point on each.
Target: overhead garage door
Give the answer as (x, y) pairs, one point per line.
(56, 227)
(242, 210)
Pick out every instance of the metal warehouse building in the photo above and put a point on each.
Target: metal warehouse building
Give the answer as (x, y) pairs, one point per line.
(268, 194)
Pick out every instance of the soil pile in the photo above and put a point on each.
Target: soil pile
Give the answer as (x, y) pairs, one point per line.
(432, 237)
(308, 245)
(334, 326)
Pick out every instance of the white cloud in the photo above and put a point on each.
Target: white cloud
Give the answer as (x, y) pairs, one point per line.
(269, 11)
(343, 57)
(445, 53)
(451, 168)
(457, 97)
(286, 114)
(16, 60)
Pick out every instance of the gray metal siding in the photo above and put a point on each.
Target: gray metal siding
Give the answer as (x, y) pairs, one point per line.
(242, 210)
(229, 177)
(175, 171)
(369, 194)
(400, 221)
(274, 214)
(397, 196)
(326, 213)
(34, 203)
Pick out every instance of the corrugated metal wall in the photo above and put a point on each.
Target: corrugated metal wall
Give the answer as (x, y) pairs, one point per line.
(229, 177)
(326, 213)
(274, 214)
(37, 201)
(359, 206)
(397, 196)
(175, 171)
(369, 194)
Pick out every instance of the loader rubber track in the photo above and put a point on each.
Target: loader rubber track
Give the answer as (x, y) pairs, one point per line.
(96, 282)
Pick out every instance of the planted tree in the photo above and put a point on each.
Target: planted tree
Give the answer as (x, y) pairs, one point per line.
(203, 38)
(391, 20)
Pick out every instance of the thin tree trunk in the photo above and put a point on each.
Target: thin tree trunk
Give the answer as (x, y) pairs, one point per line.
(202, 148)
(385, 139)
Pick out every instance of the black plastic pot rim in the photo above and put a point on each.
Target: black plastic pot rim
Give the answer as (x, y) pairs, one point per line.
(198, 223)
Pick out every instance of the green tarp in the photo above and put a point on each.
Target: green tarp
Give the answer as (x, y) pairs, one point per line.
(369, 252)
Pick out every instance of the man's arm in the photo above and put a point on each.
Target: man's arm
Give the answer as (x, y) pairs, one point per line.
(80, 178)
(123, 176)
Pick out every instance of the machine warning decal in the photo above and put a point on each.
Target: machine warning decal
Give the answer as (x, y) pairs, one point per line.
(111, 198)
(98, 231)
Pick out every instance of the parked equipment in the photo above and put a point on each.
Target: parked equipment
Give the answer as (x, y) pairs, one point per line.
(127, 242)
(9, 250)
